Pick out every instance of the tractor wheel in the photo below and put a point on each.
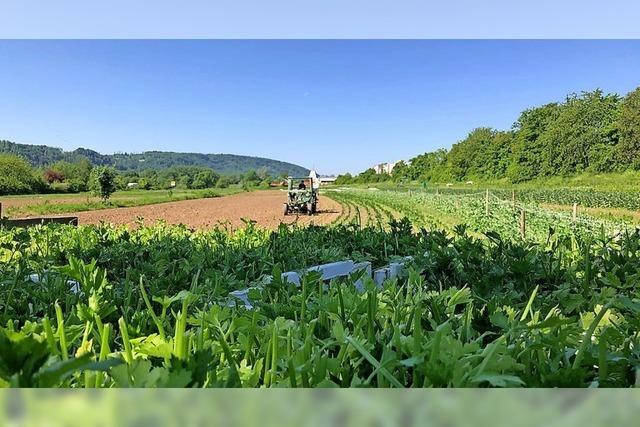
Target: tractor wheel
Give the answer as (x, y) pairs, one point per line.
(285, 209)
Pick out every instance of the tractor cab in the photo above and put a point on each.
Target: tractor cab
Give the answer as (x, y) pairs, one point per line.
(302, 196)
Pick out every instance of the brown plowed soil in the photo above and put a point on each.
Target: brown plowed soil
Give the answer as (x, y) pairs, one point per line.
(264, 207)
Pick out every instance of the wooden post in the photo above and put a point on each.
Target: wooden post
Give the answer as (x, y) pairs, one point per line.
(486, 203)
(574, 215)
(437, 191)
(523, 223)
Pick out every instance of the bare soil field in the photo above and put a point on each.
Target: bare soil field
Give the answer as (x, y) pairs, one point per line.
(264, 207)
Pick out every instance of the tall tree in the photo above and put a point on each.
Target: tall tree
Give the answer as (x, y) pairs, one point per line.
(628, 125)
(103, 181)
(17, 176)
(528, 149)
(583, 136)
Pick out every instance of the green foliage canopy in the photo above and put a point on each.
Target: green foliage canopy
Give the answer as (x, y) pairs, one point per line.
(103, 182)
(17, 176)
(588, 132)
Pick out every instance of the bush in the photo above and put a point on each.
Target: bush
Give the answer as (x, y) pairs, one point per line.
(209, 194)
(223, 182)
(103, 182)
(17, 176)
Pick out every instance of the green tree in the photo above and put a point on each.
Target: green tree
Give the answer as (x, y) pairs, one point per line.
(223, 182)
(583, 136)
(430, 166)
(528, 149)
(263, 172)
(17, 176)
(103, 182)
(76, 174)
(205, 178)
(497, 155)
(344, 179)
(250, 177)
(628, 124)
(401, 172)
(471, 157)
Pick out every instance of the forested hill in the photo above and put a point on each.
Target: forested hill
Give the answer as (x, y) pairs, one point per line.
(41, 155)
(588, 132)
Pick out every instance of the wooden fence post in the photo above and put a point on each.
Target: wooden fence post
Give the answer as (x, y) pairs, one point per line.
(523, 224)
(486, 203)
(574, 215)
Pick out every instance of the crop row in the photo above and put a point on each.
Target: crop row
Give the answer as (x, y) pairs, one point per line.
(557, 196)
(362, 211)
(448, 210)
(152, 309)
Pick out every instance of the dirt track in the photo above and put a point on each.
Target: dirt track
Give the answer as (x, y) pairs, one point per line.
(265, 207)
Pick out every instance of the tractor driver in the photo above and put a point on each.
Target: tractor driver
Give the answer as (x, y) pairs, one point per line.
(302, 186)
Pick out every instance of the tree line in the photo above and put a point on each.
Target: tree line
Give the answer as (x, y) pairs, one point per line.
(227, 164)
(17, 176)
(587, 132)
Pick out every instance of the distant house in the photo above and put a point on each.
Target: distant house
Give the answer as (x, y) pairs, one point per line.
(319, 180)
(131, 185)
(326, 180)
(172, 184)
(385, 167)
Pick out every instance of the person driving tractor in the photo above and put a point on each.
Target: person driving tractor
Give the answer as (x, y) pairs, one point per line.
(303, 199)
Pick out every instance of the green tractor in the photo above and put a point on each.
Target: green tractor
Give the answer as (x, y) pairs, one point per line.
(302, 197)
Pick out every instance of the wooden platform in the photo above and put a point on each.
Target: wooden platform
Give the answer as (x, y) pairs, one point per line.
(30, 222)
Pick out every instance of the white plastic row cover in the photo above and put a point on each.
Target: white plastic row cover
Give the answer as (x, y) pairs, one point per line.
(327, 272)
(37, 278)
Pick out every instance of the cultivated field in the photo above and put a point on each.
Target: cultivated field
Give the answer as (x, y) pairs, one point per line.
(529, 214)
(497, 292)
(263, 207)
(34, 205)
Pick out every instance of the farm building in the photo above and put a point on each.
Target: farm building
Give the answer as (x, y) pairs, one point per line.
(326, 180)
(321, 180)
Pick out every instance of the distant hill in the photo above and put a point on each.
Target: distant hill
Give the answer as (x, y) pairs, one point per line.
(41, 155)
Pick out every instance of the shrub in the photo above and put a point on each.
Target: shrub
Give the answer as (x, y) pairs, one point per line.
(17, 176)
(103, 182)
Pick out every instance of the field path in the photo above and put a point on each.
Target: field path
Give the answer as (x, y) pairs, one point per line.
(265, 207)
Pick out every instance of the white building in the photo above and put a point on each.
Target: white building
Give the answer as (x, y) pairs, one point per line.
(320, 180)
(385, 167)
(325, 180)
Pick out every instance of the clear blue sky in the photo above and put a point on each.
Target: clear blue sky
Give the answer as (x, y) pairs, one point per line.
(334, 105)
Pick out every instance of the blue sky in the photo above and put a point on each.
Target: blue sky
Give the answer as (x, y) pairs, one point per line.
(334, 105)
